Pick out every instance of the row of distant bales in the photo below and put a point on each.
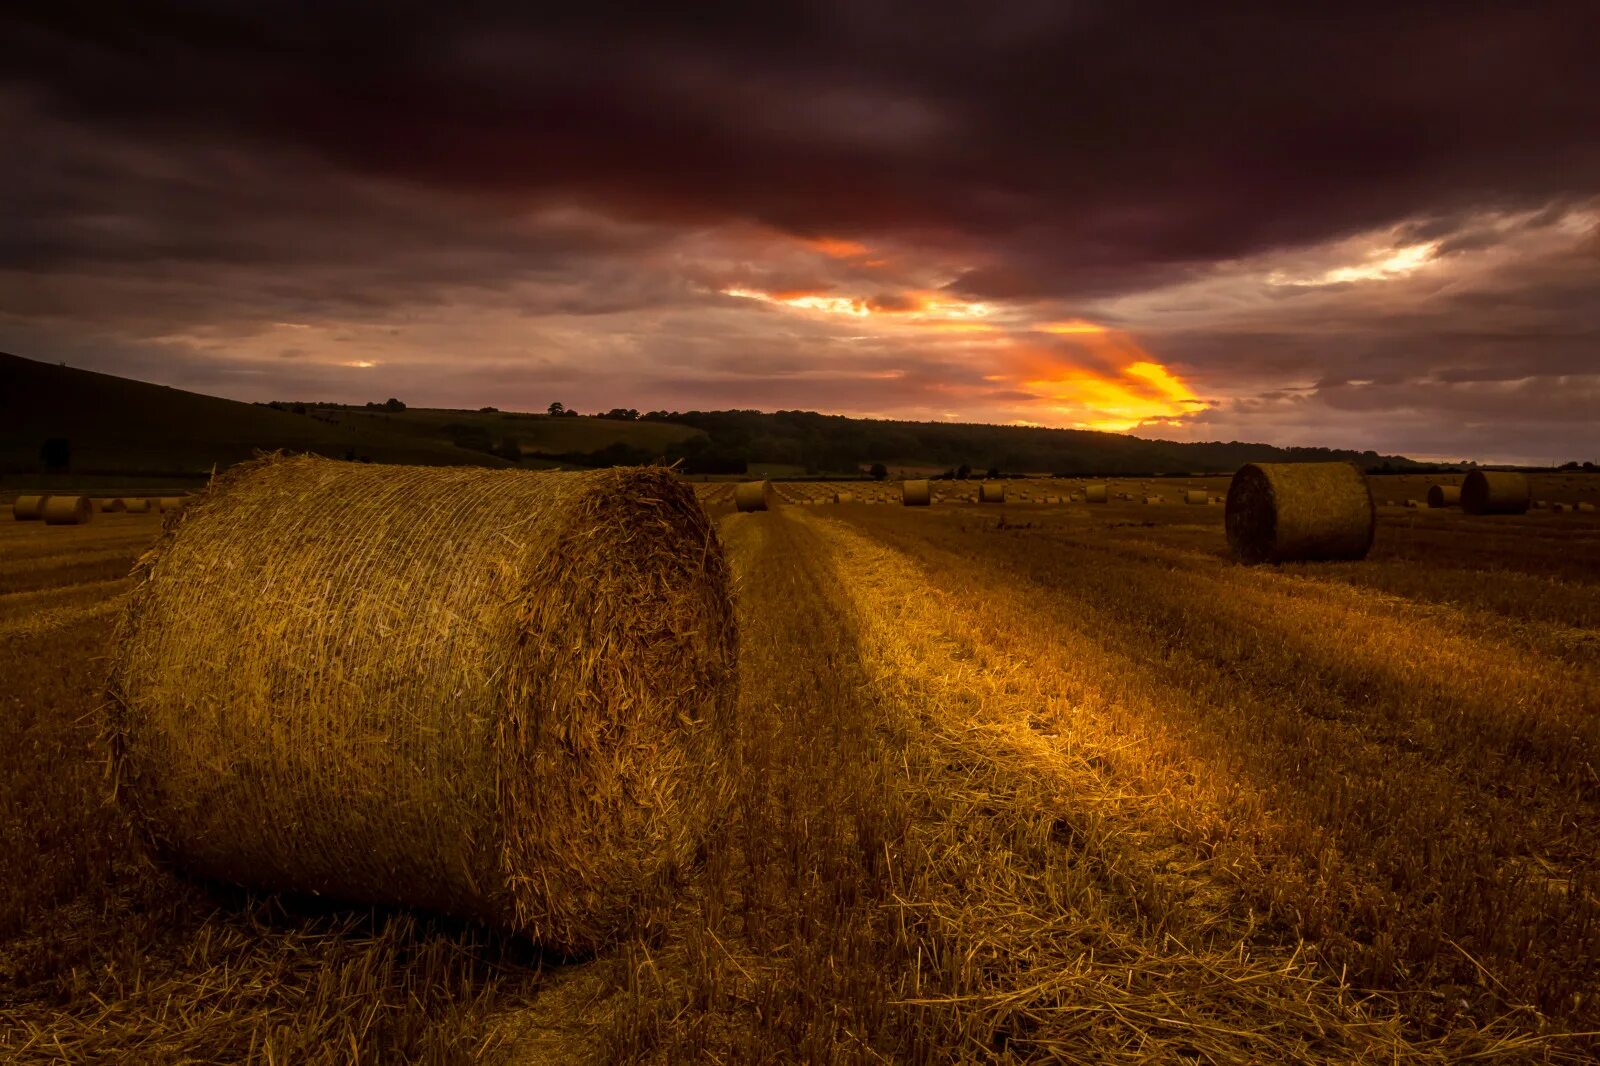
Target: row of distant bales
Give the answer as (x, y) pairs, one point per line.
(76, 510)
(1276, 512)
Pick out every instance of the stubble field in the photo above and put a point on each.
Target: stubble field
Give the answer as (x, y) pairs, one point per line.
(1029, 782)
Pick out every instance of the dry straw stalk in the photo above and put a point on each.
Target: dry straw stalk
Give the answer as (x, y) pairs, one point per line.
(502, 695)
(916, 493)
(1495, 492)
(1277, 512)
(28, 508)
(752, 495)
(67, 510)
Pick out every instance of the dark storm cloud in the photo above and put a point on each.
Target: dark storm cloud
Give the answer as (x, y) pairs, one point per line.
(1093, 146)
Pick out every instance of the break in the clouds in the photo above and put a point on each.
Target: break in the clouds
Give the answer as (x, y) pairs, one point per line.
(1373, 227)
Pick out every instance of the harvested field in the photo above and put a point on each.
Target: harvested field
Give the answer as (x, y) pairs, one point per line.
(1074, 788)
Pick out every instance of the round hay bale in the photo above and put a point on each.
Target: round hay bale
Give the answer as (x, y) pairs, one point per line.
(136, 505)
(1411, 504)
(1195, 496)
(107, 505)
(115, 506)
(1443, 495)
(1558, 507)
(1154, 499)
(169, 503)
(1096, 493)
(503, 695)
(1278, 512)
(992, 492)
(28, 508)
(67, 510)
(916, 493)
(844, 497)
(1584, 508)
(1495, 492)
(752, 495)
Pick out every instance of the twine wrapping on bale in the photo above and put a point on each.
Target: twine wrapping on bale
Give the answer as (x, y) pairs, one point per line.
(67, 510)
(28, 508)
(136, 505)
(1443, 495)
(1196, 496)
(503, 695)
(1278, 512)
(916, 493)
(992, 492)
(1095, 493)
(751, 495)
(1495, 492)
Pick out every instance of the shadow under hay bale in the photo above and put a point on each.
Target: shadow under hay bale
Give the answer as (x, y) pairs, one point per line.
(992, 492)
(1495, 492)
(28, 508)
(752, 495)
(1279, 512)
(916, 493)
(67, 510)
(1443, 496)
(501, 695)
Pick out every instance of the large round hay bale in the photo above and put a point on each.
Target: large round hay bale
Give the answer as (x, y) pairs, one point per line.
(1278, 512)
(752, 495)
(28, 508)
(992, 492)
(503, 695)
(1443, 495)
(916, 493)
(136, 505)
(1196, 496)
(1095, 493)
(1495, 492)
(67, 510)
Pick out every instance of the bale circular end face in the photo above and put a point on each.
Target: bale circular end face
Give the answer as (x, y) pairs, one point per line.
(916, 493)
(67, 510)
(1279, 512)
(28, 508)
(1443, 495)
(502, 695)
(992, 492)
(752, 495)
(1096, 493)
(1196, 496)
(1495, 492)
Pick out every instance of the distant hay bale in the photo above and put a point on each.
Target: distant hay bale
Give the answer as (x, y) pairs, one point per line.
(1584, 508)
(1443, 495)
(1495, 492)
(114, 506)
(1095, 493)
(105, 504)
(1558, 508)
(1278, 512)
(1154, 499)
(1540, 505)
(1196, 496)
(67, 510)
(752, 495)
(169, 503)
(992, 492)
(844, 497)
(1412, 504)
(136, 505)
(502, 695)
(916, 493)
(28, 508)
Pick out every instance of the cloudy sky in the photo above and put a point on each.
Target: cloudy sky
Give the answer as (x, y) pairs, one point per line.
(1370, 226)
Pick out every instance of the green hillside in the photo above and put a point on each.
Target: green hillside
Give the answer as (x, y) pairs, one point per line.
(115, 426)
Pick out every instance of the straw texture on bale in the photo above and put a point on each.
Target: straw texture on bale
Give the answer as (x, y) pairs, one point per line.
(1277, 512)
(1495, 492)
(992, 492)
(27, 508)
(67, 510)
(1443, 495)
(502, 695)
(136, 505)
(1095, 493)
(1196, 496)
(752, 495)
(916, 493)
